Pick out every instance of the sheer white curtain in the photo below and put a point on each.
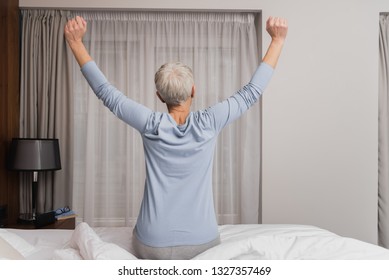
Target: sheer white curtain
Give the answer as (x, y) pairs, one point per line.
(383, 179)
(129, 47)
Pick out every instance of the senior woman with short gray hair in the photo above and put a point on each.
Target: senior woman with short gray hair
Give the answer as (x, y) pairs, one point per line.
(177, 217)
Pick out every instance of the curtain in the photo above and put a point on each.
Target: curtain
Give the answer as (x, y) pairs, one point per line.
(129, 47)
(383, 179)
(46, 103)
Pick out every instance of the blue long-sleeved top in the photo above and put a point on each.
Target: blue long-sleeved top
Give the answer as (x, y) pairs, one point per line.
(177, 207)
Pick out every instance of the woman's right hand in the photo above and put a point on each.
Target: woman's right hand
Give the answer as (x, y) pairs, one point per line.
(277, 28)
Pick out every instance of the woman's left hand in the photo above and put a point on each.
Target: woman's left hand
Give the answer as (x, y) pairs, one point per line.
(75, 30)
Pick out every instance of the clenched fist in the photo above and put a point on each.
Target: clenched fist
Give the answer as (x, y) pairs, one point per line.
(277, 28)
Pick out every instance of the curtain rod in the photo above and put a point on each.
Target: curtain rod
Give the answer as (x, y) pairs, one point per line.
(144, 9)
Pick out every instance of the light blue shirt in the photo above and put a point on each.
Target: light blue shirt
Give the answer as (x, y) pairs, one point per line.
(177, 207)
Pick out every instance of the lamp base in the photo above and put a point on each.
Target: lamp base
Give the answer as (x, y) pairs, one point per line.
(26, 218)
(3, 215)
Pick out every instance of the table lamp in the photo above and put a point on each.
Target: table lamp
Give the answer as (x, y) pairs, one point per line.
(34, 155)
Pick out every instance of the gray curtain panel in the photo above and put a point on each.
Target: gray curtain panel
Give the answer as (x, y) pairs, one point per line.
(46, 99)
(383, 179)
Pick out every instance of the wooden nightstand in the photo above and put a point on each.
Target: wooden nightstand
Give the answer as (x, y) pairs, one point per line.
(61, 224)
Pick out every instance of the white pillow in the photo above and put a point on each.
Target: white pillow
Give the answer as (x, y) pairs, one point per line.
(67, 254)
(7, 252)
(19, 244)
(91, 246)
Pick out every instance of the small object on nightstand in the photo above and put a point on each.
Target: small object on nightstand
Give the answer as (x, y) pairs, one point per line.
(64, 213)
(45, 219)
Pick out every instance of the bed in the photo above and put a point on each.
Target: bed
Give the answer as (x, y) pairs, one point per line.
(266, 242)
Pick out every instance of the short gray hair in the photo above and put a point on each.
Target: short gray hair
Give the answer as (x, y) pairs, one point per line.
(174, 82)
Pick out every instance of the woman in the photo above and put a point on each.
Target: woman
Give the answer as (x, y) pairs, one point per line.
(177, 218)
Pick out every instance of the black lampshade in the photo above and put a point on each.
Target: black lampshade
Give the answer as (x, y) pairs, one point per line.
(28, 154)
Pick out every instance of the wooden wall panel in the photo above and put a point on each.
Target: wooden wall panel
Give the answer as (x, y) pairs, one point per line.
(9, 101)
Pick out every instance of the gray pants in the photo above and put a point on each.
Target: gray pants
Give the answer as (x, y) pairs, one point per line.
(143, 251)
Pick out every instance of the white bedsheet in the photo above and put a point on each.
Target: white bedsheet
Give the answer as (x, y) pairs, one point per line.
(271, 242)
(289, 242)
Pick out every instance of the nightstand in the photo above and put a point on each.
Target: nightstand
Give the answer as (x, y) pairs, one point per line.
(60, 224)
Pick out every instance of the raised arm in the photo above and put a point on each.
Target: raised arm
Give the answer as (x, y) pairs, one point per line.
(277, 29)
(131, 112)
(74, 32)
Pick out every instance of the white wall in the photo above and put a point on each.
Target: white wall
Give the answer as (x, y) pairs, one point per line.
(320, 112)
(320, 143)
